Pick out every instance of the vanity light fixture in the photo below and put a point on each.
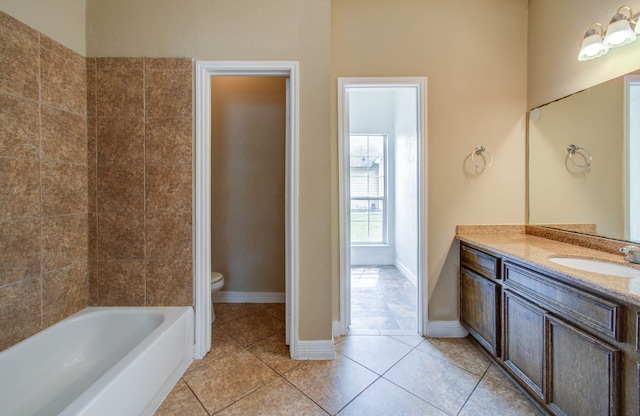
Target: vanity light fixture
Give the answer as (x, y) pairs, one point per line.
(622, 30)
(619, 31)
(592, 44)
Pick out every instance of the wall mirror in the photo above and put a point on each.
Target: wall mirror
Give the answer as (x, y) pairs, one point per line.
(584, 161)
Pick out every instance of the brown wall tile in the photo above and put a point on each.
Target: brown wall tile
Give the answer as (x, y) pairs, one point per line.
(169, 235)
(64, 136)
(168, 188)
(18, 27)
(64, 241)
(19, 250)
(19, 127)
(64, 189)
(169, 93)
(120, 141)
(121, 283)
(64, 292)
(92, 141)
(168, 141)
(169, 283)
(121, 236)
(93, 283)
(92, 235)
(92, 189)
(92, 77)
(18, 64)
(120, 92)
(20, 306)
(169, 63)
(119, 63)
(19, 189)
(120, 188)
(61, 50)
(63, 83)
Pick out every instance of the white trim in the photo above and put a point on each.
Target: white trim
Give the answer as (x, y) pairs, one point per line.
(202, 193)
(336, 328)
(343, 192)
(446, 329)
(316, 350)
(249, 297)
(406, 272)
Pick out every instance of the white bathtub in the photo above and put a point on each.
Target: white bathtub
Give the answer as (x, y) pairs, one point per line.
(99, 361)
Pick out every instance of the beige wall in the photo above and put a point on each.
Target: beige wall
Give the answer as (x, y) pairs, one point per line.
(476, 95)
(560, 192)
(556, 29)
(250, 30)
(62, 20)
(248, 182)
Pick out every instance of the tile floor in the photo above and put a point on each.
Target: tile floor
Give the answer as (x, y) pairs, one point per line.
(383, 301)
(248, 372)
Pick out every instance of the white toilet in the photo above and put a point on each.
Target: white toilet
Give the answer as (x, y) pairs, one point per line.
(217, 281)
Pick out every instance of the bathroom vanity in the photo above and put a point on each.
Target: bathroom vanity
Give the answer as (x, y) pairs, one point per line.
(568, 337)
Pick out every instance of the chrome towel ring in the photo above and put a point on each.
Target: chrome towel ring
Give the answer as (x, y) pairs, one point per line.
(572, 148)
(481, 149)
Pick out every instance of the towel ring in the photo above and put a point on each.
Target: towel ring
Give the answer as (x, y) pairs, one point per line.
(572, 148)
(481, 149)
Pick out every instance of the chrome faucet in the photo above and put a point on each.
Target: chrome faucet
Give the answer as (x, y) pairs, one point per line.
(632, 253)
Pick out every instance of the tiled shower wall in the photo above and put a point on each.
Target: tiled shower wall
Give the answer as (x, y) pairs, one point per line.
(43, 182)
(95, 181)
(140, 180)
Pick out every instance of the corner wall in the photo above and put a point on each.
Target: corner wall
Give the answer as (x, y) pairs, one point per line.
(476, 95)
(43, 182)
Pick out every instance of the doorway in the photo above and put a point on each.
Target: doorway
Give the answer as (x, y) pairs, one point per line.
(382, 171)
(205, 70)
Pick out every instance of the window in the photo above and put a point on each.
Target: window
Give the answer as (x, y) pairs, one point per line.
(368, 188)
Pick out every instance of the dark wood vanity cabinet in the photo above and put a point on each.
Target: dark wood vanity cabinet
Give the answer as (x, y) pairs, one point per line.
(480, 297)
(560, 342)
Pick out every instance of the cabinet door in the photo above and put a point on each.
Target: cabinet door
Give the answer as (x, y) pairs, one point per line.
(480, 308)
(584, 372)
(523, 341)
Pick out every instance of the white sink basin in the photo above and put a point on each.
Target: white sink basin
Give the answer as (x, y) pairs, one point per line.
(596, 266)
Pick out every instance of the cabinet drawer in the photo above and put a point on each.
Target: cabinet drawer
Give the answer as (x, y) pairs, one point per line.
(583, 309)
(482, 263)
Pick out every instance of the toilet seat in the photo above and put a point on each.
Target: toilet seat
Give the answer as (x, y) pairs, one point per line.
(217, 281)
(215, 277)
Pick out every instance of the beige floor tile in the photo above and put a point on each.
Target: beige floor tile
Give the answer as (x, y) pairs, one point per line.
(434, 380)
(278, 398)
(377, 353)
(493, 400)
(332, 383)
(384, 398)
(459, 351)
(495, 376)
(221, 344)
(412, 340)
(275, 353)
(221, 382)
(252, 328)
(227, 312)
(277, 310)
(180, 402)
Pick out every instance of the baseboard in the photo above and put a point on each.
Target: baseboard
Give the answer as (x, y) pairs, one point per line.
(249, 297)
(406, 272)
(446, 329)
(316, 350)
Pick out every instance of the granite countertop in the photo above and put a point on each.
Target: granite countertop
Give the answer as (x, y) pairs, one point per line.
(536, 251)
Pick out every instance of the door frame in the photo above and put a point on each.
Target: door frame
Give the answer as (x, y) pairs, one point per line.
(204, 70)
(420, 83)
